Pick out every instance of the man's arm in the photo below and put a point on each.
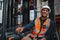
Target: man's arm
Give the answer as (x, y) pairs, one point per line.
(29, 25)
(50, 30)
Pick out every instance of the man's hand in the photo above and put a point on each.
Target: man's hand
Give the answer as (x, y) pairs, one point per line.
(19, 29)
(43, 39)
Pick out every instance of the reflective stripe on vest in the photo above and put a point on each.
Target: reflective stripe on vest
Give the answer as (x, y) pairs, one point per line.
(38, 27)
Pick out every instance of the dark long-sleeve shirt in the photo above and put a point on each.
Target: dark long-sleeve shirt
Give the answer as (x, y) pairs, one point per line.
(49, 31)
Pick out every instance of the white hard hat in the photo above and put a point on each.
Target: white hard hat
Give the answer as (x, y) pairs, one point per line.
(46, 6)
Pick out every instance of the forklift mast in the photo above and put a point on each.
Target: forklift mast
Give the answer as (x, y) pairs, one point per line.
(10, 15)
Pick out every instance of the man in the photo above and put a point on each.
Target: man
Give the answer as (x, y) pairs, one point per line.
(43, 26)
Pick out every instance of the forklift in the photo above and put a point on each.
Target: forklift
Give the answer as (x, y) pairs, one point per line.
(13, 16)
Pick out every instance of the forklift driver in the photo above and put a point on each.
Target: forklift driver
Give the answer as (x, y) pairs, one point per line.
(44, 26)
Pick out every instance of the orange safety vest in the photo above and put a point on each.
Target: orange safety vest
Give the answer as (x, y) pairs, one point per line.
(38, 27)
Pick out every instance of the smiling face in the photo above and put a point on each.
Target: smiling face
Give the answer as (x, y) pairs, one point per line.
(44, 12)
